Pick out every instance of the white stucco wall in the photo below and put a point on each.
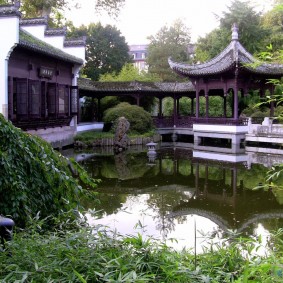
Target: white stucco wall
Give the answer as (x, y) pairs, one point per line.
(56, 41)
(9, 37)
(76, 51)
(35, 30)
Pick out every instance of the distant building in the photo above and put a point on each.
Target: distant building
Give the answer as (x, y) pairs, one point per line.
(139, 55)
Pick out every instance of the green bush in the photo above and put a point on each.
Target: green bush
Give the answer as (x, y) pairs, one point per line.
(34, 177)
(140, 120)
(95, 254)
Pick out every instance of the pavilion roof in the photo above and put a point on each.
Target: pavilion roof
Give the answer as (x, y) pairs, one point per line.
(233, 55)
(134, 86)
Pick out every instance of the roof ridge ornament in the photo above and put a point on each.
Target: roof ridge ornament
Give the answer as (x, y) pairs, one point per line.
(235, 32)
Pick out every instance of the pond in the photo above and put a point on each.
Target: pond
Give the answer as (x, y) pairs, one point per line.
(182, 195)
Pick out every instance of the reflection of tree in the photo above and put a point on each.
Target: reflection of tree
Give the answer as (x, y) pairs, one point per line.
(162, 204)
(107, 204)
(125, 166)
(252, 177)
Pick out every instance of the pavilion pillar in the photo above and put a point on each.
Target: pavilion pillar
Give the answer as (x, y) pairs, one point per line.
(138, 100)
(206, 105)
(178, 106)
(236, 102)
(225, 106)
(197, 103)
(235, 112)
(272, 103)
(160, 107)
(192, 106)
(92, 110)
(98, 109)
(175, 111)
(272, 109)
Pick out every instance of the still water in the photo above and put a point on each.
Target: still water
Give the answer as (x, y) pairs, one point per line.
(182, 195)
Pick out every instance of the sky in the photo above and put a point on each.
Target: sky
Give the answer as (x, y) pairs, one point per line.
(142, 18)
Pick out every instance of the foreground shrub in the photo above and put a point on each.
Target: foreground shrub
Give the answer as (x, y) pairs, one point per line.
(140, 120)
(97, 255)
(34, 177)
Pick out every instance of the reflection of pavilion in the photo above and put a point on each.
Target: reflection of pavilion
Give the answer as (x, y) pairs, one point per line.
(214, 189)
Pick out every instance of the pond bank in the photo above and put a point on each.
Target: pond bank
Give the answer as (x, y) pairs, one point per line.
(97, 141)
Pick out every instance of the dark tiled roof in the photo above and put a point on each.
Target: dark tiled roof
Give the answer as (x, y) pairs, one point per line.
(75, 42)
(55, 32)
(9, 10)
(34, 21)
(30, 42)
(135, 86)
(232, 55)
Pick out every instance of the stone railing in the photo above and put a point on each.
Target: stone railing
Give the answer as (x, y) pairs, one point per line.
(266, 128)
(187, 121)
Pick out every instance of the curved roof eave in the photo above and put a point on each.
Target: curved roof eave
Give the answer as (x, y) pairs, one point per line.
(219, 64)
(233, 54)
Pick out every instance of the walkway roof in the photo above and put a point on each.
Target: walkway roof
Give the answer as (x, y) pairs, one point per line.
(88, 85)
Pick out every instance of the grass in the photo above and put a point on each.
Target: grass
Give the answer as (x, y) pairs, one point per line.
(90, 136)
(87, 254)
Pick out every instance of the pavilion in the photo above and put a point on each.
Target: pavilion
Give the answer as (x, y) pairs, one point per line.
(232, 73)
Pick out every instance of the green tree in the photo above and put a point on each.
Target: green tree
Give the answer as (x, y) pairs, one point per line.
(212, 44)
(129, 73)
(168, 42)
(106, 49)
(273, 22)
(55, 8)
(251, 32)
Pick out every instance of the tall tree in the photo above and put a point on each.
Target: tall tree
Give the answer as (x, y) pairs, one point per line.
(106, 49)
(129, 73)
(273, 21)
(168, 42)
(40, 8)
(251, 32)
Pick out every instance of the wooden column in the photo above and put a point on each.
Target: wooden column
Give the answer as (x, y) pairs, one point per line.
(138, 100)
(178, 106)
(99, 110)
(271, 102)
(197, 103)
(192, 106)
(175, 111)
(236, 104)
(160, 107)
(225, 105)
(206, 105)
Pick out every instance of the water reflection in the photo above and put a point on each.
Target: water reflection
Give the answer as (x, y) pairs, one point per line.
(180, 192)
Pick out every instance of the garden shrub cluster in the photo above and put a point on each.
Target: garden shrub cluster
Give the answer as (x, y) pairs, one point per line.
(140, 120)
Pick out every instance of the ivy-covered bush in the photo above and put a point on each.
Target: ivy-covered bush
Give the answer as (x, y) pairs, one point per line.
(34, 177)
(140, 120)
